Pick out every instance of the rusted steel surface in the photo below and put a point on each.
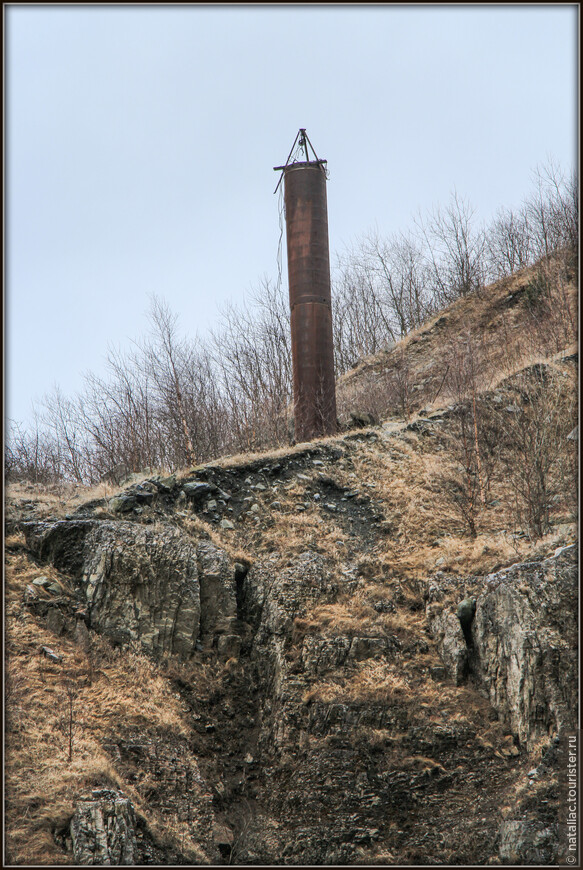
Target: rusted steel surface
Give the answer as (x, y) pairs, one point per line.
(310, 300)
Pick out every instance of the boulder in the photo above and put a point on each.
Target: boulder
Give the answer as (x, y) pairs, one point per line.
(165, 484)
(453, 650)
(55, 621)
(526, 842)
(196, 490)
(446, 629)
(361, 419)
(122, 504)
(103, 829)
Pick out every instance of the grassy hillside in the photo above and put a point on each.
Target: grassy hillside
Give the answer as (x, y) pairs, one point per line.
(510, 325)
(434, 484)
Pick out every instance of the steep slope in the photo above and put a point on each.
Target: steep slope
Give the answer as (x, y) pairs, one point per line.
(259, 660)
(515, 322)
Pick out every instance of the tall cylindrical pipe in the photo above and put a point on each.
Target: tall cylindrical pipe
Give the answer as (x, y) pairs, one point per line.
(308, 260)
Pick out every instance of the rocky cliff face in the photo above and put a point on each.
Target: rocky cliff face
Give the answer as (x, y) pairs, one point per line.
(154, 585)
(348, 722)
(524, 642)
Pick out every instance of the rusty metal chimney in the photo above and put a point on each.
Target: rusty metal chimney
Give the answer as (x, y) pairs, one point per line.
(308, 263)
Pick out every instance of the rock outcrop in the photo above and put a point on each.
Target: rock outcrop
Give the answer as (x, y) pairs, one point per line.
(218, 594)
(523, 842)
(103, 830)
(150, 584)
(324, 740)
(142, 584)
(524, 635)
(328, 767)
(298, 695)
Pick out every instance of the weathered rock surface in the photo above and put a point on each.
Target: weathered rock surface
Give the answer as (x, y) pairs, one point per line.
(177, 787)
(314, 766)
(525, 643)
(218, 591)
(446, 628)
(137, 582)
(526, 634)
(313, 719)
(103, 830)
(330, 788)
(531, 835)
(524, 842)
(143, 583)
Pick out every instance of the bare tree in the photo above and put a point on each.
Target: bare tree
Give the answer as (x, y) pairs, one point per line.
(171, 402)
(62, 419)
(252, 358)
(553, 210)
(67, 722)
(550, 307)
(508, 243)
(363, 323)
(534, 438)
(380, 294)
(398, 271)
(402, 381)
(31, 453)
(547, 222)
(468, 442)
(118, 416)
(455, 250)
(168, 359)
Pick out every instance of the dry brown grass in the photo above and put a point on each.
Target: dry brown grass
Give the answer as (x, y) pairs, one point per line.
(46, 501)
(226, 540)
(374, 682)
(127, 694)
(403, 472)
(55, 500)
(406, 683)
(283, 534)
(509, 335)
(294, 533)
(353, 618)
(428, 533)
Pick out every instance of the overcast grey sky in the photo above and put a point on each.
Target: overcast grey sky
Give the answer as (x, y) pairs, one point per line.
(141, 142)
